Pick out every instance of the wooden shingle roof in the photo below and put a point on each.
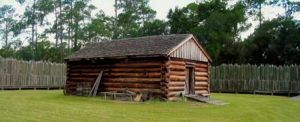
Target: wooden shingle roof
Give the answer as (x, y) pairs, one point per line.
(160, 45)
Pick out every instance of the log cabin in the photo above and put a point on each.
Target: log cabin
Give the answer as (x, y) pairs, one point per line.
(167, 66)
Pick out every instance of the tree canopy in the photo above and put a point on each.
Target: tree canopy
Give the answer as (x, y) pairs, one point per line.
(217, 24)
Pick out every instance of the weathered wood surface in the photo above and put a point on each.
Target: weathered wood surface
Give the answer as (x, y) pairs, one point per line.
(95, 87)
(31, 74)
(176, 78)
(253, 78)
(161, 77)
(137, 76)
(190, 50)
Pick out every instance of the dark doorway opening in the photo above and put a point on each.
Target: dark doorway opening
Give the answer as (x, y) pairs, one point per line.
(190, 80)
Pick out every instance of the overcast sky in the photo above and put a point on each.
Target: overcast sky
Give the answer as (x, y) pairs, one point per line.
(162, 7)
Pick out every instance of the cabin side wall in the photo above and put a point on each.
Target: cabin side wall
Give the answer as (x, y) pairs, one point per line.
(176, 77)
(135, 75)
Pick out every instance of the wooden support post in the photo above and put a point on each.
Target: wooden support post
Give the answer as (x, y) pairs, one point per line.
(272, 87)
(236, 86)
(290, 87)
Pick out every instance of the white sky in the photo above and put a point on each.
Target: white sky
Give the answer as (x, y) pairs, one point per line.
(162, 8)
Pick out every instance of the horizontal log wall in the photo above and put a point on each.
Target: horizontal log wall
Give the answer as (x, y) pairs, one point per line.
(176, 78)
(202, 79)
(137, 76)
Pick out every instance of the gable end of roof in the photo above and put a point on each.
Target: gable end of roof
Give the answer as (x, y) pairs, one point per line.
(191, 37)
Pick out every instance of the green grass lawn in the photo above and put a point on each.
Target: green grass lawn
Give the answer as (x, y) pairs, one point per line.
(54, 106)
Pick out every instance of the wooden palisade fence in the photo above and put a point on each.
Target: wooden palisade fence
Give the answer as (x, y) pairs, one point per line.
(252, 78)
(15, 74)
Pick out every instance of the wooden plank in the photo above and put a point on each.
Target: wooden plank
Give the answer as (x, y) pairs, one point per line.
(201, 73)
(133, 79)
(172, 62)
(173, 83)
(178, 73)
(201, 65)
(156, 91)
(131, 85)
(201, 69)
(173, 88)
(201, 78)
(176, 78)
(135, 70)
(137, 75)
(137, 65)
(176, 68)
(95, 87)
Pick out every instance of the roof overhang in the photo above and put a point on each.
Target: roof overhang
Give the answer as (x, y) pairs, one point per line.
(117, 57)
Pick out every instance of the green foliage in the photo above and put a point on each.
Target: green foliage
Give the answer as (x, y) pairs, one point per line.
(276, 41)
(44, 7)
(100, 27)
(290, 6)
(7, 52)
(215, 25)
(134, 14)
(6, 23)
(255, 8)
(46, 52)
(179, 21)
(79, 13)
(155, 27)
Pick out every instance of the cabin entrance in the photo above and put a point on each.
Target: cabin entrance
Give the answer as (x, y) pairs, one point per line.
(190, 80)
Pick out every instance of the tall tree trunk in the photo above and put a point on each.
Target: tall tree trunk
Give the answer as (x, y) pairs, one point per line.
(288, 8)
(32, 30)
(76, 35)
(36, 42)
(69, 35)
(115, 19)
(69, 27)
(116, 8)
(6, 35)
(56, 26)
(61, 31)
(56, 33)
(260, 14)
